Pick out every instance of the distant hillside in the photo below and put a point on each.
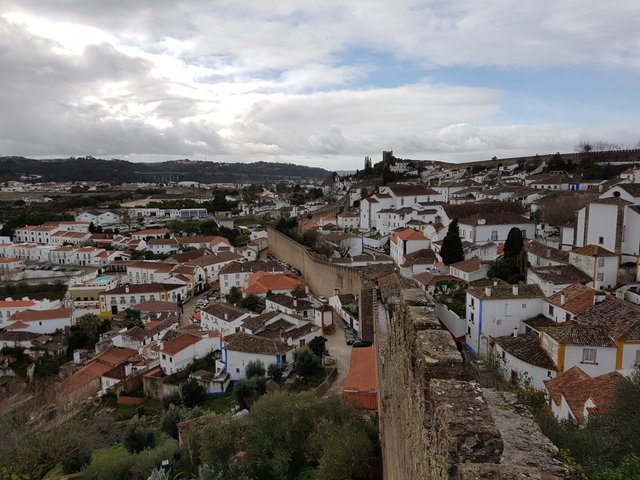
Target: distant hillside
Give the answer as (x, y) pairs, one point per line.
(120, 171)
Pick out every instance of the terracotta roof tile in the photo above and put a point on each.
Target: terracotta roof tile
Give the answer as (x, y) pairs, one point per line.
(577, 387)
(243, 342)
(528, 349)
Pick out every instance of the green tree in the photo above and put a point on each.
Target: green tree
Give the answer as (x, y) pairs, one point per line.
(317, 345)
(234, 296)
(275, 371)
(193, 394)
(452, 251)
(305, 362)
(139, 437)
(254, 368)
(170, 419)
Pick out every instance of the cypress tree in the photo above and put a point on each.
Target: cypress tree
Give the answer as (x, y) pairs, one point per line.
(452, 251)
(514, 243)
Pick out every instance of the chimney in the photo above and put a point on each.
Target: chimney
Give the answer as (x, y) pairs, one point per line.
(487, 291)
(295, 302)
(515, 332)
(226, 316)
(515, 290)
(495, 283)
(548, 252)
(126, 289)
(563, 299)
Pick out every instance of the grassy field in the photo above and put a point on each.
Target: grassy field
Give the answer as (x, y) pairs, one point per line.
(111, 452)
(223, 403)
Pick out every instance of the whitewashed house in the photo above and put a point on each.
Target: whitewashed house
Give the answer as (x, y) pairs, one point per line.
(497, 311)
(179, 352)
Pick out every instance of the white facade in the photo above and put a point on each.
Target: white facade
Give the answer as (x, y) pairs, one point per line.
(481, 234)
(237, 362)
(487, 317)
(174, 362)
(529, 375)
(603, 270)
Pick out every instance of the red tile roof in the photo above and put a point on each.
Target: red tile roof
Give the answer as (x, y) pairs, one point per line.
(576, 297)
(263, 282)
(577, 387)
(362, 381)
(408, 234)
(41, 315)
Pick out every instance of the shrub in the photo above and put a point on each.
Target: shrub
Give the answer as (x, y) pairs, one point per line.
(254, 368)
(193, 394)
(275, 371)
(139, 437)
(305, 362)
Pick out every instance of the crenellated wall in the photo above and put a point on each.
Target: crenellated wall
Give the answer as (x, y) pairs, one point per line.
(433, 424)
(325, 278)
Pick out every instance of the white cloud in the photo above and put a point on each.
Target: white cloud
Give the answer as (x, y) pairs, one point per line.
(283, 80)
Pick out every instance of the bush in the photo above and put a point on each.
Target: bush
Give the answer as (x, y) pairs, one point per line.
(169, 422)
(193, 394)
(76, 459)
(317, 346)
(254, 368)
(171, 399)
(305, 362)
(248, 390)
(275, 371)
(139, 437)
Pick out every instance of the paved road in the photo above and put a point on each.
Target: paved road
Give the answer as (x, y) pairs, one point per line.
(189, 308)
(338, 348)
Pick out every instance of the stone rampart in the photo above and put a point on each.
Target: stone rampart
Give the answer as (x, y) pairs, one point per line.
(435, 425)
(326, 279)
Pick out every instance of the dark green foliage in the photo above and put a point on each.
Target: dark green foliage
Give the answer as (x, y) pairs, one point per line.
(170, 419)
(506, 269)
(252, 302)
(139, 437)
(512, 266)
(275, 371)
(52, 291)
(317, 346)
(254, 368)
(193, 394)
(305, 362)
(608, 447)
(234, 296)
(514, 243)
(86, 332)
(453, 294)
(171, 399)
(76, 458)
(248, 390)
(452, 250)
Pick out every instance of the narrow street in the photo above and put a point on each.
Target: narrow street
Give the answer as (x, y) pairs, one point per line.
(338, 349)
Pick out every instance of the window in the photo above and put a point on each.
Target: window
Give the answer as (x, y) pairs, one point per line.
(600, 240)
(600, 277)
(601, 262)
(588, 355)
(164, 357)
(524, 305)
(469, 331)
(637, 362)
(494, 235)
(472, 317)
(472, 301)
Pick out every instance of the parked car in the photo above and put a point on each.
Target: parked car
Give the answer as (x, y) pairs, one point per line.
(361, 344)
(350, 337)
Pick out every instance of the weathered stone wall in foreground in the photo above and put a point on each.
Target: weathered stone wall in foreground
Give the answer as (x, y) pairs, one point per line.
(435, 425)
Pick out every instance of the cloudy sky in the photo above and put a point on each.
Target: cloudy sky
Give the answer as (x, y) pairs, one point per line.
(320, 83)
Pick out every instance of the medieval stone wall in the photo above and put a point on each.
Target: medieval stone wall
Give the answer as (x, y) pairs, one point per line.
(433, 424)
